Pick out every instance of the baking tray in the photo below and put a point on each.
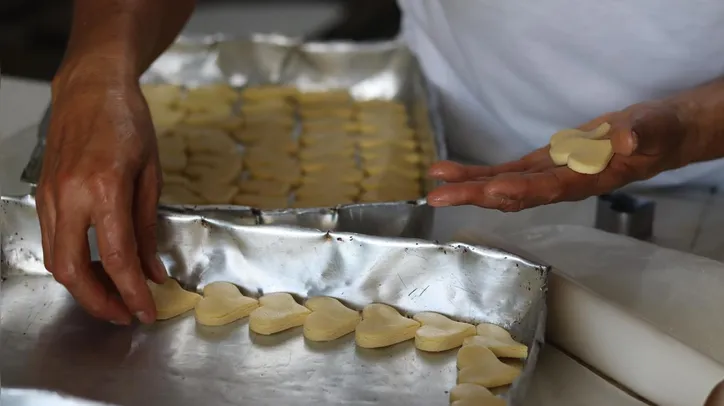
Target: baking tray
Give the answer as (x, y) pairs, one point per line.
(49, 343)
(378, 70)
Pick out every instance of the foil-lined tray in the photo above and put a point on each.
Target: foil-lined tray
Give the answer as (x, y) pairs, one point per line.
(49, 343)
(382, 70)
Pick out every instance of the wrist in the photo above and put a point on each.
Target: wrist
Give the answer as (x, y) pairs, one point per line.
(94, 69)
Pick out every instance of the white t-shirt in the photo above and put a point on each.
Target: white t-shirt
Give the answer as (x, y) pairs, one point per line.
(513, 72)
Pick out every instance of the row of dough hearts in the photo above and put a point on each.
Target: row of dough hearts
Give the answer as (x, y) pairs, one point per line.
(326, 319)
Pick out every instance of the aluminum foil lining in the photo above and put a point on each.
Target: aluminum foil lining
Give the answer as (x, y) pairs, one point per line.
(378, 70)
(49, 343)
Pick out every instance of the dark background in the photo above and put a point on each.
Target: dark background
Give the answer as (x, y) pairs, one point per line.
(33, 33)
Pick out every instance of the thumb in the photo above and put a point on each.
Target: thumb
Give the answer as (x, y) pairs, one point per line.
(648, 130)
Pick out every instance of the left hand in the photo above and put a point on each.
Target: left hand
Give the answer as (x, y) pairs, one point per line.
(647, 138)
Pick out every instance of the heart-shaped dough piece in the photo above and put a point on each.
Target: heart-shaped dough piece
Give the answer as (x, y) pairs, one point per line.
(330, 319)
(277, 312)
(595, 134)
(222, 304)
(583, 151)
(474, 394)
(383, 326)
(171, 299)
(498, 340)
(489, 401)
(439, 333)
(478, 365)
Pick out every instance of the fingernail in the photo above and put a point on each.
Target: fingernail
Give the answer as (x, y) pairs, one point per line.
(438, 201)
(144, 317)
(119, 322)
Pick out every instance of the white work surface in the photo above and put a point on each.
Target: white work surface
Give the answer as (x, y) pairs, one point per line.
(581, 296)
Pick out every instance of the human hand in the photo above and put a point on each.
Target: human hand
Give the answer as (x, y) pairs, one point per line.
(647, 139)
(101, 169)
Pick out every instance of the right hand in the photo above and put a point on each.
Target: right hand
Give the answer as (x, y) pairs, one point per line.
(101, 169)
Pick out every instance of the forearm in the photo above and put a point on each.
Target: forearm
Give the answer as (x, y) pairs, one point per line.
(702, 113)
(120, 37)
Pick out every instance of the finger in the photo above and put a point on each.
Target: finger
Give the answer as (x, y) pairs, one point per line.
(655, 130)
(454, 172)
(45, 208)
(118, 249)
(71, 267)
(145, 217)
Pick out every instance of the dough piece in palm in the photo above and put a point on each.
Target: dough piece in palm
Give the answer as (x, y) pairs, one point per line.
(383, 326)
(222, 304)
(595, 134)
(439, 333)
(277, 312)
(469, 391)
(171, 299)
(261, 202)
(499, 341)
(478, 365)
(485, 401)
(330, 319)
(582, 155)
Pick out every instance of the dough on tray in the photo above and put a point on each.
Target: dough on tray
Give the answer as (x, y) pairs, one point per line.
(498, 340)
(161, 94)
(471, 392)
(330, 319)
(165, 117)
(383, 326)
(261, 202)
(226, 170)
(277, 312)
(343, 192)
(171, 299)
(208, 140)
(265, 187)
(179, 194)
(222, 304)
(478, 365)
(257, 93)
(439, 333)
(215, 193)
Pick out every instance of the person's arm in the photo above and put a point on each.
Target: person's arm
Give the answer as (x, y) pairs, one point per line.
(100, 167)
(123, 35)
(647, 138)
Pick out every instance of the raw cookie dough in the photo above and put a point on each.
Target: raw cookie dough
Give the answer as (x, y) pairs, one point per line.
(439, 333)
(215, 193)
(383, 326)
(277, 312)
(179, 194)
(498, 340)
(486, 401)
(480, 366)
(161, 94)
(171, 299)
(262, 202)
(330, 319)
(264, 187)
(222, 304)
(268, 92)
(582, 152)
(225, 171)
(469, 392)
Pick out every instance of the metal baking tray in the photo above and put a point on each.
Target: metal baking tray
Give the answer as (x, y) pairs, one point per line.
(378, 70)
(49, 343)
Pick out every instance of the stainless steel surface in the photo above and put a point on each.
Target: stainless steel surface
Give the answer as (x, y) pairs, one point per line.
(49, 343)
(383, 70)
(30, 397)
(620, 213)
